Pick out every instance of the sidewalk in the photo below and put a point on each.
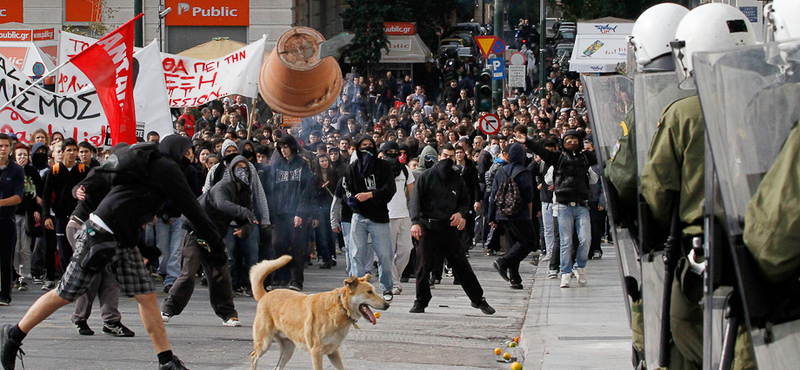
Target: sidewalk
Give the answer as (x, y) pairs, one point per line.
(578, 327)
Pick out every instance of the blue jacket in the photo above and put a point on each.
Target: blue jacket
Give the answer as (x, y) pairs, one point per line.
(12, 182)
(516, 169)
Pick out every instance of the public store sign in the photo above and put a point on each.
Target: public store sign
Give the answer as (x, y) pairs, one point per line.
(208, 13)
(400, 28)
(11, 11)
(27, 35)
(79, 11)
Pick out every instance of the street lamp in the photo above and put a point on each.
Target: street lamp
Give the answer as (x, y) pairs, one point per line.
(161, 15)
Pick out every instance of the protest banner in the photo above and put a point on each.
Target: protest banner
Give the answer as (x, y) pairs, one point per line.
(193, 82)
(149, 91)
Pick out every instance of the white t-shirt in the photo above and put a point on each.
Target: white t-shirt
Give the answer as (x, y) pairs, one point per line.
(398, 206)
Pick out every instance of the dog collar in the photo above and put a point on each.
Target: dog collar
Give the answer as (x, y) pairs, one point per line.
(347, 313)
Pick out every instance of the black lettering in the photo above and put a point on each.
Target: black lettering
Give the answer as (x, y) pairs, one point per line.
(4, 88)
(74, 108)
(21, 103)
(6, 71)
(82, 97)
(53, 103)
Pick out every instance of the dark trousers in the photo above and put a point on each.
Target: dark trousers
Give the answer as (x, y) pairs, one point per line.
(64, 248)
(598, 220)
(220, 290)
(8, 240)
(324, 236)
(555, 259)
(522, 237)
(43, 257)
(444, 239)
(287, 239)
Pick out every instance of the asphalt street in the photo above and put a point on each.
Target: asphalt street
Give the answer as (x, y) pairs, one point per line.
(576, 328)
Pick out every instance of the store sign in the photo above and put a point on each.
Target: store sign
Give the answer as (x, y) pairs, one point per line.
(27, 35)
(15, 55)
(400, 28)
(11, 11)
(399, 44)
(208, 13)
(83, 11)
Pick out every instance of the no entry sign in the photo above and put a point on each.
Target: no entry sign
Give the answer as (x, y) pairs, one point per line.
(489, 124)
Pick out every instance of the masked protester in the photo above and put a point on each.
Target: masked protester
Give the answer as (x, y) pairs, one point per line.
(369, 186)
(399, 217)
(438, 209)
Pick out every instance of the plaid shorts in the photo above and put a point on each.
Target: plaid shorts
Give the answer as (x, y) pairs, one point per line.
(127, 266)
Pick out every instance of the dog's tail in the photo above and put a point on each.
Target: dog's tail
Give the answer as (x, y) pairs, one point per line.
(260, 271)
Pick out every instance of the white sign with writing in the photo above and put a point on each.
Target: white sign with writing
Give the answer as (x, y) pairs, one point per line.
(516, 76)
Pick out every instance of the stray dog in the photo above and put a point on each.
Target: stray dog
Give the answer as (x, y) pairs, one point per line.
(317, 323)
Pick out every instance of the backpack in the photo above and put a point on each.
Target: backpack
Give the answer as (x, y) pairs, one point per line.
(508, 198)
(129, 164)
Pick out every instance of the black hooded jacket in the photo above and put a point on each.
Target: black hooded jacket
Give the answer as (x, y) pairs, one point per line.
(438, 194)
(522, 177)
(289, 183)
(380, 181)
(134, 200)
(227, 202)
(571, 173)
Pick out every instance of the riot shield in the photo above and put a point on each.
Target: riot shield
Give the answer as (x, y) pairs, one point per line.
(609, 99)
(749, 98)
(652, 92)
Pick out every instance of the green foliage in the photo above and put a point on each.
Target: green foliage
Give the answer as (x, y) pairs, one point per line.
(592, 9)
(365, 19)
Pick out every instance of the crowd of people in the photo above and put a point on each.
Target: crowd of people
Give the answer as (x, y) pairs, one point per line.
(389, 180)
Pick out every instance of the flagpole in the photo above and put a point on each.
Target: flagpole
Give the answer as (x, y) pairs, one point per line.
(33, 84)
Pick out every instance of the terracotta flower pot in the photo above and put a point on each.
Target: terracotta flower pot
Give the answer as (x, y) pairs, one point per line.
(294, 81)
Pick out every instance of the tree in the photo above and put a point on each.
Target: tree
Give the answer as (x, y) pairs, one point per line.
(592, 9)
(96, 28)
(364, 18)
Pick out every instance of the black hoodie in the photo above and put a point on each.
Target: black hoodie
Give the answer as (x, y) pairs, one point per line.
(379, 180)
(289, 183)
(134, 202)
(522, 177)
(227, 202)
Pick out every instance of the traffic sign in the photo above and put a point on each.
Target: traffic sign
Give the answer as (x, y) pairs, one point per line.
(516, 76)
(498, 47)
(485, 43)
(516, 59)
(489, 124)
(498, 69)
(38, 69)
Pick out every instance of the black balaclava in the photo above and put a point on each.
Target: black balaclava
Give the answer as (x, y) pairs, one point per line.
(366, 157)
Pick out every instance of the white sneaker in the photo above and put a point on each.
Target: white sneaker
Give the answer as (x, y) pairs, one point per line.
(165, 318)
(580, 273)
(397, 290)
(232, 322)
(565, 280)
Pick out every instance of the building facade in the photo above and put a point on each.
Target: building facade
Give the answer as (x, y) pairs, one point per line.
(189, 23)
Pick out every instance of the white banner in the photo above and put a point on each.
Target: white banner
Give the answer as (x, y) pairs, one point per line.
(193, 82)
(149, 94)
(77, 113)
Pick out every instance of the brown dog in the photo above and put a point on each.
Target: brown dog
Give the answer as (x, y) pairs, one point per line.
(317, 323)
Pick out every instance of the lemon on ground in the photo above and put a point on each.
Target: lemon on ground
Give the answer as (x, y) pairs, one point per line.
(512, 344)
(516, 366)
(498, 351)
(506, 356)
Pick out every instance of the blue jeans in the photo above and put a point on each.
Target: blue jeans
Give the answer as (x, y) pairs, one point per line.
(169, 240)
(549, 227)
(381, 244)
(348, 247)
(247, 250)
(569, 219)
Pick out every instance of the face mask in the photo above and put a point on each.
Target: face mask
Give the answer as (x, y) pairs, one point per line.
(39, 159)
(249, 154)
(242, 174)
(185, 162)
(228, 158)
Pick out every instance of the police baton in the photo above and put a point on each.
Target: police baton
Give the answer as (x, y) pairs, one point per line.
(671, 255)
